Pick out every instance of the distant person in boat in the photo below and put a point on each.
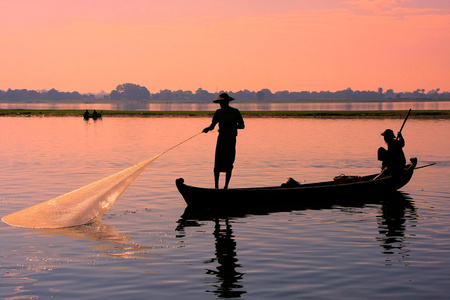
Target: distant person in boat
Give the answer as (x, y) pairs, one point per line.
(86, 114)
(393, 159)
(230, 120)
(95, 114)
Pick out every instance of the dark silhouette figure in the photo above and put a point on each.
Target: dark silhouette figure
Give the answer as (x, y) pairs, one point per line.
(393, 159)
(95, 115)
(230, 120)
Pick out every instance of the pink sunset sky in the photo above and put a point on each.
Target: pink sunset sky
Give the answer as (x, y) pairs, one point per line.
(89, 46)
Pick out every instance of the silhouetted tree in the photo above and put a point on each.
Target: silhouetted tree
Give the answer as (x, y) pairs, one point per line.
(390, 93)
(115, 95)
(265, 95)
(130, 91)
(53, 94)
(260, 96)
(182, 95)
(202, 95)
(282, 95)
(165, 95)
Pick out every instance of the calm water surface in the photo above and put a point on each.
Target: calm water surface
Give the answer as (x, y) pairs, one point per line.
(144, 248)
(352, 106)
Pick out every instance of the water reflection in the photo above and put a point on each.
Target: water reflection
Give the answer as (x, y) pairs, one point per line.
(395, 209)
(392, 224)
(118, 243)
(302, 106)
(229, 279)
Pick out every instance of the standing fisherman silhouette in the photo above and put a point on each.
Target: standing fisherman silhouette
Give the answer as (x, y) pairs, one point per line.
(230, 120)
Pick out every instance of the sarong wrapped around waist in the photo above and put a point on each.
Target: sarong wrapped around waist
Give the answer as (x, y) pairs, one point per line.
(225, 152)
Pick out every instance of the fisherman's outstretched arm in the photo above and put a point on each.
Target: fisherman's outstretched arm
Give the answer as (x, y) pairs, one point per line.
(210, 127)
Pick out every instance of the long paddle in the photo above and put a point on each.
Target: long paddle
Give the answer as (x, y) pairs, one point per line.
(404, 122)
(429, 165)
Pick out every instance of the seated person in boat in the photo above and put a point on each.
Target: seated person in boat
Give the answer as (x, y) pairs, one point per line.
(393, 159)
(230, 120)
(86, 114)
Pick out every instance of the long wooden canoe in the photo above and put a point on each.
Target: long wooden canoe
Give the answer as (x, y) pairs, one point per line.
(285, 195)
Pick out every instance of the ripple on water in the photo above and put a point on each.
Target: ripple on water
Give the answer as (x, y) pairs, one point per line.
(143, 247)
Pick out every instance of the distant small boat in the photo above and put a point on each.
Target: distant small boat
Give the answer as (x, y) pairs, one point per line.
(94, 116)
(342, 187)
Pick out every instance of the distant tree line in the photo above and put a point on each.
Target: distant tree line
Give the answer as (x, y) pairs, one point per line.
(134, 92)
(51, 95)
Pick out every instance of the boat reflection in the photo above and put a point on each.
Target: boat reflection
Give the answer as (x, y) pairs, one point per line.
(393, 200)
(395, 209)
(118, 243)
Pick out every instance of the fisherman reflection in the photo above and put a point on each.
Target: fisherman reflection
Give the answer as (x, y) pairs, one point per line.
(392, 223)
(393, 159)
(226, 257)
(230, 120)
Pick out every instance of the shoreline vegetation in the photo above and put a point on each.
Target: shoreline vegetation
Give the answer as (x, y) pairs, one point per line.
(135, 92)
(422, 114)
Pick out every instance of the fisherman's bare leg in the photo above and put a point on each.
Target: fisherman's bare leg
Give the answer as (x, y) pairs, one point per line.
(227, 179)
(216, 179)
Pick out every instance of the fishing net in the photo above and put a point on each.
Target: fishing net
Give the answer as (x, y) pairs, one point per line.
(81, 206)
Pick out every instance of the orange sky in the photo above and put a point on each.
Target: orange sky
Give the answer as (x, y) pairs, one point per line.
(89, 46)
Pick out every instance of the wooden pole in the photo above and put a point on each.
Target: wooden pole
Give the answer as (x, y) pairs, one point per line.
(404, 121)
